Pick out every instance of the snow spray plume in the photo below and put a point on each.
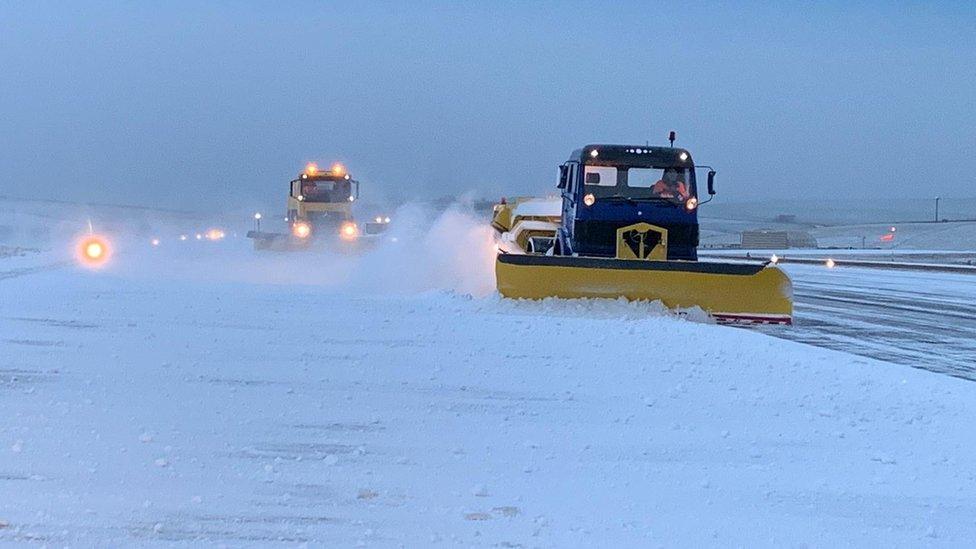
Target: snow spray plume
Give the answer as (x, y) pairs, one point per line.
(423, 250)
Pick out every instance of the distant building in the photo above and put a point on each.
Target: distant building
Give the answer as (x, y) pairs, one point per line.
(785, 218)
(776, 240)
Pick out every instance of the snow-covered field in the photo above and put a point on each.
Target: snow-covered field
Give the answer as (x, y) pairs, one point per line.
(839, 211)
(908, 238)
(201, 393)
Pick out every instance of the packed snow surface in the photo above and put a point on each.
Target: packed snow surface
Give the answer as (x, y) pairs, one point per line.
(199, 392)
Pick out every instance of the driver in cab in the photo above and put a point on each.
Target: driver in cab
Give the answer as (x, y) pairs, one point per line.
(671, 186)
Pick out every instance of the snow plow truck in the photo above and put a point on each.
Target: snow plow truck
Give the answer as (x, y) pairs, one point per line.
(626, 225)
(319, 208)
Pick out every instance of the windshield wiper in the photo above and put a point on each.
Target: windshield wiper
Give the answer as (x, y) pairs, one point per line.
(621, 197)
(644, 199)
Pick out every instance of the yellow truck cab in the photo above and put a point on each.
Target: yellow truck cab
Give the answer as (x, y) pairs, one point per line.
(319, 208)
(322, 198)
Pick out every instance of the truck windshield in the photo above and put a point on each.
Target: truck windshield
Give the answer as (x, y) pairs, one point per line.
(661, 183)
(322, 190)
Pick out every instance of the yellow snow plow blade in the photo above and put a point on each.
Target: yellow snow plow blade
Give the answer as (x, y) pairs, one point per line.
(730, 292)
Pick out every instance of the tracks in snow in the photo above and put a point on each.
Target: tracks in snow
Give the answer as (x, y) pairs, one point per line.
(25, 271)
(924, 321)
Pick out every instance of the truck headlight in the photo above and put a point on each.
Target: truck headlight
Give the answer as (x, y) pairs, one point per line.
(348, 231)
(589, 199)
(301, 229)
(691, 204)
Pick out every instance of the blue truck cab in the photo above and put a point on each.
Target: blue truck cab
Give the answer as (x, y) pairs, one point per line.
(606, 187)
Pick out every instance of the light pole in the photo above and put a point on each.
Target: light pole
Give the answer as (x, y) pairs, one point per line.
(257, 221)
(937, 209)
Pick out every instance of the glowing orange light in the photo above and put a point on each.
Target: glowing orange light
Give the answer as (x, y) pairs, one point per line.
(691, 204)
(301, 229)
(311, 168)
(338, 169)
(348, 231)
(215, 234)
(93, 251)
(887, 237)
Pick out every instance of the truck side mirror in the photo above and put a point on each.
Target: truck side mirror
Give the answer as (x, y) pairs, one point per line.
(711, 181)
(563, 176)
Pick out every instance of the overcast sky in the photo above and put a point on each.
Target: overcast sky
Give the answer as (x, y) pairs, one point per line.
(218, 104)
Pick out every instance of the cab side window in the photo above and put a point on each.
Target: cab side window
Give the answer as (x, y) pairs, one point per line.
(571, 181)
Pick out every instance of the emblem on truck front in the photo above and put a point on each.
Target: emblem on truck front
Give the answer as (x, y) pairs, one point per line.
(642, 241)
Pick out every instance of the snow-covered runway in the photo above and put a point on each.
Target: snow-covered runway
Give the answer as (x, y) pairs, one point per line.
(143, 405)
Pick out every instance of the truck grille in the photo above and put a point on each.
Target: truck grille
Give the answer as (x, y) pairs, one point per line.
(599, 239)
